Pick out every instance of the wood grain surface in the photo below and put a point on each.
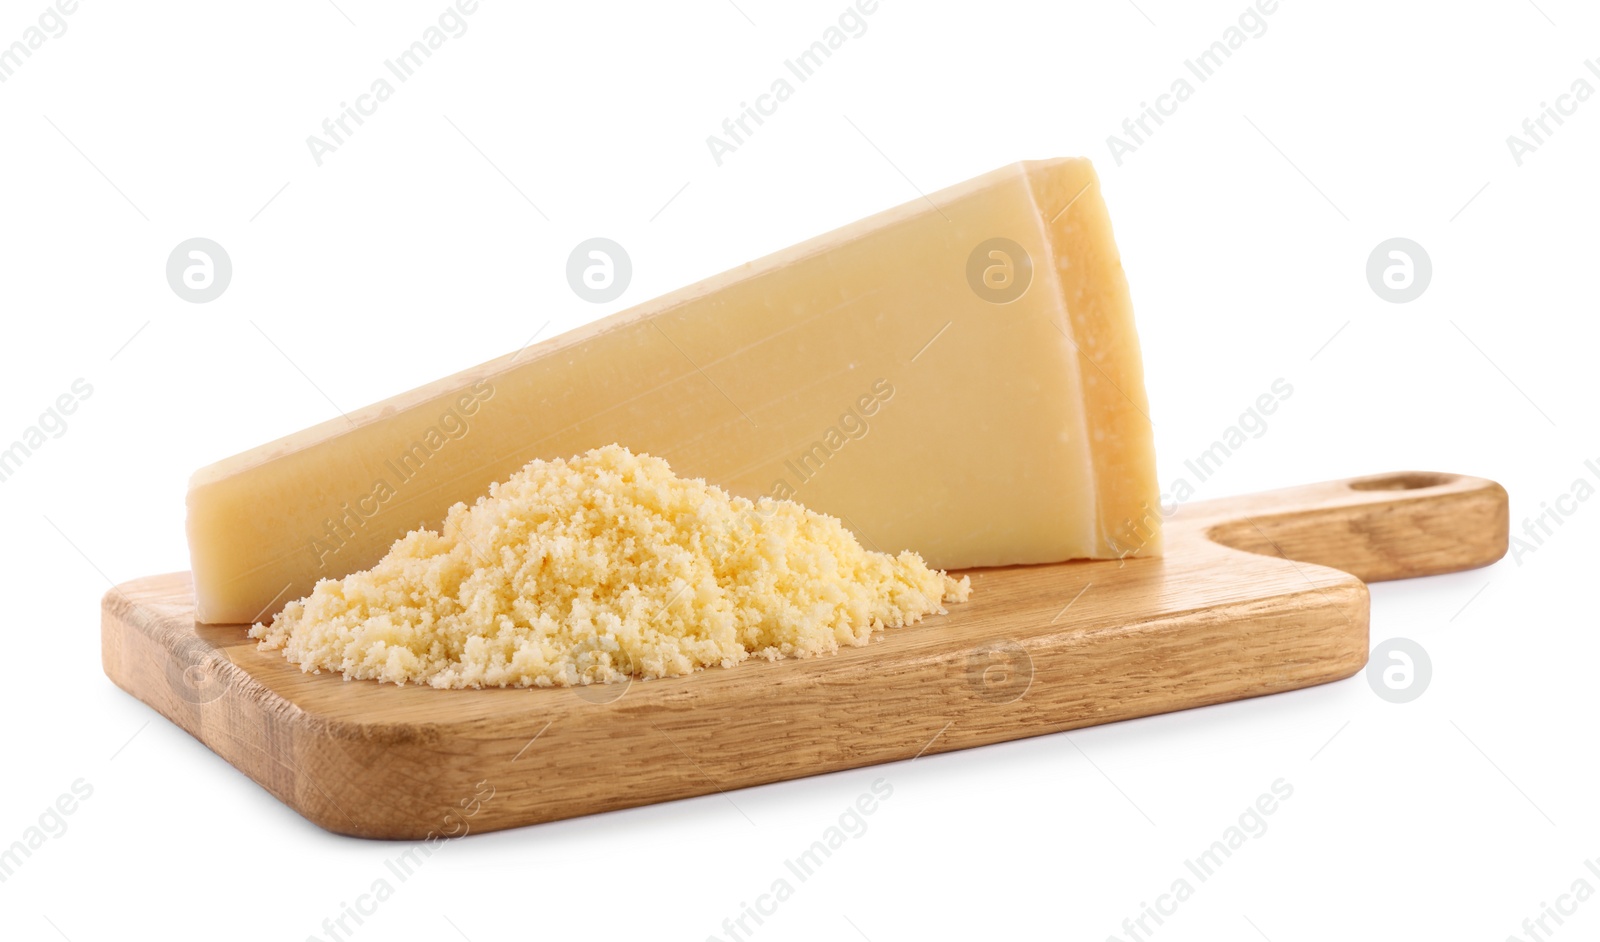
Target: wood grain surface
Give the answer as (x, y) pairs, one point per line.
(1256, 595)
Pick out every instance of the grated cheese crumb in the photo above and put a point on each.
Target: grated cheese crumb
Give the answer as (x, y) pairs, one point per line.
(599, 568)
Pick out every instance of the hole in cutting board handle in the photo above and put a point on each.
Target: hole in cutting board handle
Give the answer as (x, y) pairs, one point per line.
(1384, 526)
(1404, 481)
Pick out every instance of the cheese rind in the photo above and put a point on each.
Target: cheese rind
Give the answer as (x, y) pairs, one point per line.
(862, 373)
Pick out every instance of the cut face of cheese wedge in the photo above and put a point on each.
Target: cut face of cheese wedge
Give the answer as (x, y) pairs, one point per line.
(958, 376)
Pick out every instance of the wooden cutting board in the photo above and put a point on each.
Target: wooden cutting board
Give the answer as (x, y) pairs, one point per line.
(1256, 595)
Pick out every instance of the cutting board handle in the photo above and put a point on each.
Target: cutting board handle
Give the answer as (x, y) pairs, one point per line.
(1385, 526)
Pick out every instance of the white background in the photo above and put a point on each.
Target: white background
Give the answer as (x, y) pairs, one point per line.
(436, 238)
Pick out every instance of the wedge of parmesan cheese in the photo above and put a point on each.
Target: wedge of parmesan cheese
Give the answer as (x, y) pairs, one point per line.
(958, 376)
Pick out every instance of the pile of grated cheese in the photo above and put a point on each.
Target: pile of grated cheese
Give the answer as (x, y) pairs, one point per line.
(600, 568)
